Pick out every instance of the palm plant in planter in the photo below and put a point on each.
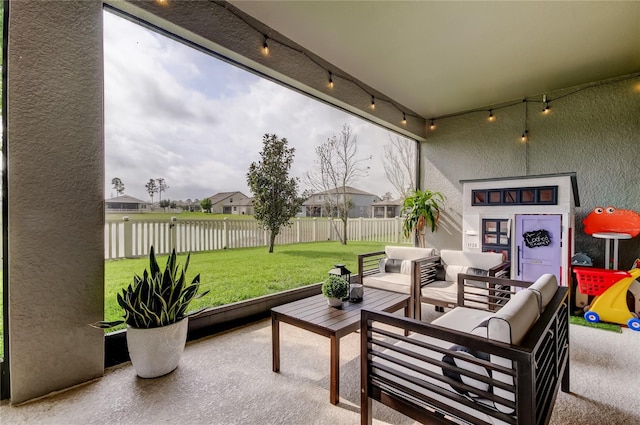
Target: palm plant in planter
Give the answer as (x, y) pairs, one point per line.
(155, 311)
(335, 288)
(420, 210)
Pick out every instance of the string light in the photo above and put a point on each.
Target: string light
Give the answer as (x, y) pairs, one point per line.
(525, 136)
(321, 65)
(265, 47)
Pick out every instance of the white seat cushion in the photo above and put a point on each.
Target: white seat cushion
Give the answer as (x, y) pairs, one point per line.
(407, 252)
(544, 288)
(447, 291)
(510, 324)
(463, 319)
(479, 260)
(394, 282)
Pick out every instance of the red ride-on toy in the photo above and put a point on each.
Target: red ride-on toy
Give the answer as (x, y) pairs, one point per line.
(610, 288)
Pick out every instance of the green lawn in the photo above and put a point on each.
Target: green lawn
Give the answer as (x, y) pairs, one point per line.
(239, 274)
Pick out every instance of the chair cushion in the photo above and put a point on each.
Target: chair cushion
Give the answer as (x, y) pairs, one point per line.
(407, 252)
(463, 319)
(481, 260)
(394, 282)
(451, 272)
(392, 265)
(544, 288)
(510, 324)
(467, 366)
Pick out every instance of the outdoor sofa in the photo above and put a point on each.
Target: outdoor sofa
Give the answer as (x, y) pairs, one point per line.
(402, 269)
(502, 364)
(424, 273)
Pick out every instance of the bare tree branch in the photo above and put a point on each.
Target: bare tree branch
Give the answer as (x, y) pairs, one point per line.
(338, 167)
(400, 164)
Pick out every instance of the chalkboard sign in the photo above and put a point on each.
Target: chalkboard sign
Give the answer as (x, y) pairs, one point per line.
(537, 238)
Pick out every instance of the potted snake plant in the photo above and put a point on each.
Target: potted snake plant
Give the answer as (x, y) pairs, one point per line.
(421, 210)
(155, 312)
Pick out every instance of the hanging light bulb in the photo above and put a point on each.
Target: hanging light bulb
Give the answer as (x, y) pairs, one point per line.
(524, 136)
(546, 108)
(404, 118)
(330, 80)
(373, 102)
(433, 125)
(491, 117)
(265, 47)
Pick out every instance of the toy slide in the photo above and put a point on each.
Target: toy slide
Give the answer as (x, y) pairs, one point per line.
(610, 288)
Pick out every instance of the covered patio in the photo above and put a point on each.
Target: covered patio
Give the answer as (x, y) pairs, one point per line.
(227, 379)
(438, 80)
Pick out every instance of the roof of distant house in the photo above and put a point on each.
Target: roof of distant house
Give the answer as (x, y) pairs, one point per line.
(391, 202)
(126, 199)
(349, 190)
(221, 196)
(248, 202)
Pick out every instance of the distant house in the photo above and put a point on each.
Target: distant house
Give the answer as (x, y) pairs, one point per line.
(189, 205)
(316, 205)
(241, 207)
(224, 202)
(387, 208)
(126, 203)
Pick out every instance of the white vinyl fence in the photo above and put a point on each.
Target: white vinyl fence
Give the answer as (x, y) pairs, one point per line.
(131, 238)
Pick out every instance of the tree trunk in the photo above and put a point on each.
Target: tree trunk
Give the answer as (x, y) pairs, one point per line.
(272, 240)
(344, 230)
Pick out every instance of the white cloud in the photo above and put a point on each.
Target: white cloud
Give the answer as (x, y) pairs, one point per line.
(176, 113)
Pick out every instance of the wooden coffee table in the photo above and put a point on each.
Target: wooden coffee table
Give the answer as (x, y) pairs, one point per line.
(315, 315)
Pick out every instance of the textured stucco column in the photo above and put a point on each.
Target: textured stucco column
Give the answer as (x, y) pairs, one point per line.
(55, 143)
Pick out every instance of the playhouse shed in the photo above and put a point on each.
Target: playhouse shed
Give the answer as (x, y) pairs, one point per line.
(529, 219)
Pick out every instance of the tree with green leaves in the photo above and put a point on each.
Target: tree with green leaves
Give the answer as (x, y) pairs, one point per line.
(151, 188)
(206, 205)
(118, 185)
(275, 194)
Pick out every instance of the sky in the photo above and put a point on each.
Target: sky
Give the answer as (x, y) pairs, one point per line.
(179, 114)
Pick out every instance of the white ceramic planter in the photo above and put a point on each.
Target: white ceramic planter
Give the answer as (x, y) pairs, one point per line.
(157, 351)
(334, 302)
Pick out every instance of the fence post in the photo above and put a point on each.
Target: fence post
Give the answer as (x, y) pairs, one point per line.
(173, 234)
(225, 233)
(298, 235)
(397, 229)
(314, 230)
(127, 239)
(360, 222)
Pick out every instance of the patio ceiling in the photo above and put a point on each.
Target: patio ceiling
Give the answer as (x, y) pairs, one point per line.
(439, 58)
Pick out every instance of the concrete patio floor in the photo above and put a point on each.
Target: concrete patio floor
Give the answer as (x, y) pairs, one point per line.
(227, 379)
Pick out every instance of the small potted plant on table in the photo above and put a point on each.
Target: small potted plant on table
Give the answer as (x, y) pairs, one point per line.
(335, 289)
(155, 311)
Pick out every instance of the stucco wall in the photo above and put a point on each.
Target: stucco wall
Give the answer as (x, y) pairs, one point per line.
(594, 132)
(55, 195)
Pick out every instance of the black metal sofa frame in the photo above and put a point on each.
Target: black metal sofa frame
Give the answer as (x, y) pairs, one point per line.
(540, 365)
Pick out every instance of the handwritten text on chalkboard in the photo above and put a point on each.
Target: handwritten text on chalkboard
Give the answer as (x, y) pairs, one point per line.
(537, 238)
